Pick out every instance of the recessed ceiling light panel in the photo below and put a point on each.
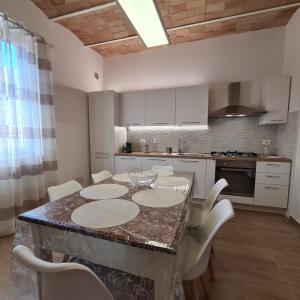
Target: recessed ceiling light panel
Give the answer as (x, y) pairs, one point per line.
(145, 18)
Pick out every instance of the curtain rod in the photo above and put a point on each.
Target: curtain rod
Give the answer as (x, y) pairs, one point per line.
(18, 25)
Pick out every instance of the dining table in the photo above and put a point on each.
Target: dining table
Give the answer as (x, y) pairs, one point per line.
(146, 246)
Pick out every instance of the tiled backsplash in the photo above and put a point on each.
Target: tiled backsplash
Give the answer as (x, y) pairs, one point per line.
(241, 134)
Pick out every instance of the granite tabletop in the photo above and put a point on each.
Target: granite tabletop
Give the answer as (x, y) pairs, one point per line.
(156, 229)
(204, 156)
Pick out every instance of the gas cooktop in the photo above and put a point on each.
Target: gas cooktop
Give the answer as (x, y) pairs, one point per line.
(236, 154)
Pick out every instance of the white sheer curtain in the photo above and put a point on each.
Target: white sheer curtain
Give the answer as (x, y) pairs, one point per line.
(27, 135)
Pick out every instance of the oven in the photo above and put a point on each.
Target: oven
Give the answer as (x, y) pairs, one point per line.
(240, 175)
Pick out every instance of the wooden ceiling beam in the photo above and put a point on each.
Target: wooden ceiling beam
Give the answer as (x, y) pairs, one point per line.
(273, 9)
(84, 11)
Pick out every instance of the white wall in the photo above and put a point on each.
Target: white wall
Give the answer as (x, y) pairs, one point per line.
(292, 67)
(73, 74)
(252, 55)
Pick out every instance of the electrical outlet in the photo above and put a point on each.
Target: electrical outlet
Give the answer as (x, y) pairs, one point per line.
(266, 142)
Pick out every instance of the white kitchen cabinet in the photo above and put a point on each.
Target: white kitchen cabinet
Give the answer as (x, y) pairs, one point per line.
(198, 166)
(192, 105)
(160, 107)
(133, 108)
(149, 162)
(271, 195)
(275, 100)
(272, 184)
(103, 116)
(210, 176)
(125, 163)
(102, 162)
(273, 167)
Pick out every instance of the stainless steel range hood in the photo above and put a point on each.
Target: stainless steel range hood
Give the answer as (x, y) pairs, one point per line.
(234, 108)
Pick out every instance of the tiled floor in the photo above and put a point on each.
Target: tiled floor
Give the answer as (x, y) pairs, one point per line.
(257, 257)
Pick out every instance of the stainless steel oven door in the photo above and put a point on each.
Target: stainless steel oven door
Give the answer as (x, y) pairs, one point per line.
(240, 175)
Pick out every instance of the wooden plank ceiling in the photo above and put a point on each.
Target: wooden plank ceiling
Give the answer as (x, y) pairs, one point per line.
(185, 20)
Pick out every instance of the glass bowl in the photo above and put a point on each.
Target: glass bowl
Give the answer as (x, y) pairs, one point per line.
(142, 178)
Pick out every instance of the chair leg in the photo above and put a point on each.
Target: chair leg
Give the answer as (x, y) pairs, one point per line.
(211, 270)
(204, 287)
(195, 290)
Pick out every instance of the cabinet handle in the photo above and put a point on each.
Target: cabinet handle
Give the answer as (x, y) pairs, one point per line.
(134, 124)
(161, 123)
(156, 159)
(127, 158)
(272, 176)
(189, 161)
(189, 122)
(102, 153)
(276, 120)
(271, 188)
(274, 165)
(102, 157)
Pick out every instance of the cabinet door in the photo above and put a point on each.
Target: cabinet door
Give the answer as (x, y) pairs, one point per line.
(132, 108)
(192, 105)
(102, 118)
(198, 166)
(210, 176)
(102, 162)
(275, 100)
(271, 195)
(149, 162)
(125, 163)
(160, 107)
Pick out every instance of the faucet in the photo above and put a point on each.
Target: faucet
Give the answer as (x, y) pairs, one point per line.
(181, 145)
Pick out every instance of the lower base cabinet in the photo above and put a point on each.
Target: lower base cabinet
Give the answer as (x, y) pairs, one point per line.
(126, 163)
(271, 195)
(102, 162)
(198, 166)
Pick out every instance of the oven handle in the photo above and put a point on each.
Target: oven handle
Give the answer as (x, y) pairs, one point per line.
(237, 169)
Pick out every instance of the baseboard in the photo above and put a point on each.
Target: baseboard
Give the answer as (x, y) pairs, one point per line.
(273, 210)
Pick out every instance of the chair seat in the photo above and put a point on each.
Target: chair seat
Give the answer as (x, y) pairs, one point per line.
(196, 218)
(122, 285)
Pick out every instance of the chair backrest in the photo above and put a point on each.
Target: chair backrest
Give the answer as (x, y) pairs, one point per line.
(61, 281)
(168, 168)
(216, 190)
(220, 214)
(62, 190)
(103, 175)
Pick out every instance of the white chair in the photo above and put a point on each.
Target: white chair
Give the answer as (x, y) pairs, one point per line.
(61, 281)
(103, 175)
(167, 168)
(195, 249)
(198, 215)
(62, 190)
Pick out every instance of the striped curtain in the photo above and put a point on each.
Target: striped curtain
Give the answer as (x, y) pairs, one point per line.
(27, 133)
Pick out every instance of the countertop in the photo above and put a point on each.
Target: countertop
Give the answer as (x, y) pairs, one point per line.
(157, 229)
(204, 156)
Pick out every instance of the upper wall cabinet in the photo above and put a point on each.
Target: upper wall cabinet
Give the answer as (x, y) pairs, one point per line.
(132, 108)
(160, 107)
(275, 100)
(192, 105)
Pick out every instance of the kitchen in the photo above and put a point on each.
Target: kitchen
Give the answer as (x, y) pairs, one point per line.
(192, 145)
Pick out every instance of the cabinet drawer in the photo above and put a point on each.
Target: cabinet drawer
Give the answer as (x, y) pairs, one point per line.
(273, 167)
(273, 178)
(271, 195)
(149, 162)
